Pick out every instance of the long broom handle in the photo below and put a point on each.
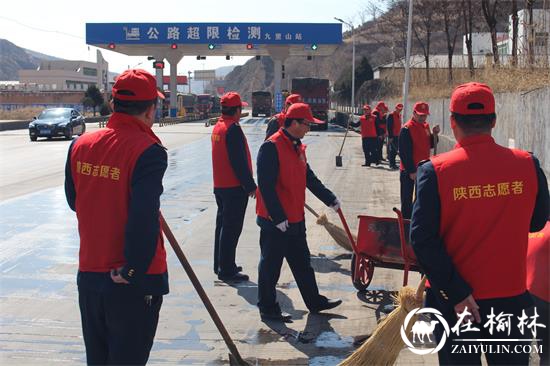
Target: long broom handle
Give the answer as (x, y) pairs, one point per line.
(200, 291)
(308, 207)
(345, 135)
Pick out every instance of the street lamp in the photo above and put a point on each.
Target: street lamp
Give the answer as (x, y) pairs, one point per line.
(352, 62)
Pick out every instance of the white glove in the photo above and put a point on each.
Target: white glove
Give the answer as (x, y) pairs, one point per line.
(335, 205)
(283, 226)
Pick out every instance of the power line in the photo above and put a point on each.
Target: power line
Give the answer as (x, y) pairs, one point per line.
(41, 29)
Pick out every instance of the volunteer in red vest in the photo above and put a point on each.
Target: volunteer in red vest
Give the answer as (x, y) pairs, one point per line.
(538, 284)
(415, 142)
(233, 185)
(394, 128)
(474, 208)
(113, 180)
(369, 137)
(278, 120)
(379, 114)
(283, 176)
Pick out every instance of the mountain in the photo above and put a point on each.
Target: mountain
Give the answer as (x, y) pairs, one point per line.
(14, 58)
(221, 72)
(379, 40)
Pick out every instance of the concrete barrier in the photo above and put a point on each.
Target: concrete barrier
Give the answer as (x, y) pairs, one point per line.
(522, 122)
(14, 125)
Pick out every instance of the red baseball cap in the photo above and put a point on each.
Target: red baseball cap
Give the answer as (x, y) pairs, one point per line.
(232, 99)
(293, 98)
(302, 111)
(421, 108)
(366, 106)
(472, 98)
(381, 106)
(136, 84)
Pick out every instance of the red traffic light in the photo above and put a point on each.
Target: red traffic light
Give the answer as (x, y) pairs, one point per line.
(249, 46)
(112, 46)
(158, 65)
(174, 46)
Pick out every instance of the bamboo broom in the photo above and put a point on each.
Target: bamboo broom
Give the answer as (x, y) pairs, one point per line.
(337, 233)
(385, 344)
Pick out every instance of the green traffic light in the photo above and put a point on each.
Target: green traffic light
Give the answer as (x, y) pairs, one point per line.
(314, 47)
(211, 46)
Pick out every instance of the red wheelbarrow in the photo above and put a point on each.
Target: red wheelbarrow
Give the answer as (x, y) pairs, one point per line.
(381, 242)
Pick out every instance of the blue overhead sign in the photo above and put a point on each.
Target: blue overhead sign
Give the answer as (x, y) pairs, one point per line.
(218, 33)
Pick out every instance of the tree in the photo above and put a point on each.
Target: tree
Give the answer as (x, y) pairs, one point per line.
(489, 8)
(451, 25)
(363, 73)
(468, 18)
(92, 97)
(531, 32)
(424, 24)
(515, 24)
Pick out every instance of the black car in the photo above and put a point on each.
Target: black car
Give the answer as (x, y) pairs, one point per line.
(53, 122)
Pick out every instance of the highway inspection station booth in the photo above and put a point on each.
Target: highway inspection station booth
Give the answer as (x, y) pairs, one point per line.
(173, 41)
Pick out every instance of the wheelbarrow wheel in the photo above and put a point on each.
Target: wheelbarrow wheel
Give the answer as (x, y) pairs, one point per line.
(364, 277)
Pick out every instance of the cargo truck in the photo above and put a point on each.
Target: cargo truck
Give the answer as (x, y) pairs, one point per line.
(314, 92)
(261, 103)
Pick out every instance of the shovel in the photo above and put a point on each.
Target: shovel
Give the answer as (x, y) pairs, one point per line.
(234, 357)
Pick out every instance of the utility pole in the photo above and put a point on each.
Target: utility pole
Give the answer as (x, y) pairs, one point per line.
(408, 62)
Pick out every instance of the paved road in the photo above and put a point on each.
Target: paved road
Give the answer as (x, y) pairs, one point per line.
(39, 246)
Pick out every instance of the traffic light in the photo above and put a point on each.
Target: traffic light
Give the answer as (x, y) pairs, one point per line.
(158, 65)
(258, 57)
(174, 46)
(314, 47)
(249, 46)
(112, 46)
(211, 46)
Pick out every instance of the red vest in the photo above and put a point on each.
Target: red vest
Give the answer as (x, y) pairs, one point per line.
(487, 197)
(396, 127)
(291, 182)
(538, 259)
(421, 140)
(224, 176)
(102, 163)
(368, 128)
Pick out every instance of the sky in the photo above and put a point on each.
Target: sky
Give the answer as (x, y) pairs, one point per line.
(57, 27)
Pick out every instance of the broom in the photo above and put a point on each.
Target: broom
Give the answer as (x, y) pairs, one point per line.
(337, 233)
(234, 355)
(384, 345)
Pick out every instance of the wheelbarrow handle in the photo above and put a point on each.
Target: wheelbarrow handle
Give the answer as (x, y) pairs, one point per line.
(346, 227)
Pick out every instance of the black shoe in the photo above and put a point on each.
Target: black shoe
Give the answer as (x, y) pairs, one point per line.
(236, 277)
(329, 304)
(277, 316)
(393, 167)
(237, 269)
(365, 164)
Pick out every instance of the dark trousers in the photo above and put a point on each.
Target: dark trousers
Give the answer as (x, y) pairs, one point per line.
(393, 147)
(118, 326)
(543, 311)
(229, 225)
(407, 192)
(276, 246)
(370, 150)
(468, 355)
(379, 147)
